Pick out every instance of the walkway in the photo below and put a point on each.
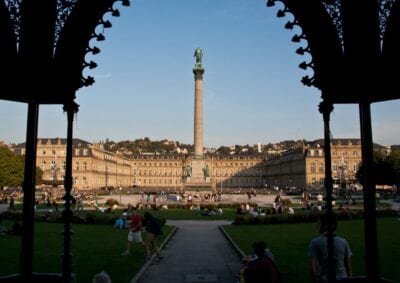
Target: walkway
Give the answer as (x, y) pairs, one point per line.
(197, 253)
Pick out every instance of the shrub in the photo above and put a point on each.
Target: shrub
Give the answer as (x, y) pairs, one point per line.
(111, 202)
(305, 216)
(286, 201)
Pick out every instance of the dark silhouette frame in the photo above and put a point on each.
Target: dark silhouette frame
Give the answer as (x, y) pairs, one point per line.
(43, 50)
(354, 45)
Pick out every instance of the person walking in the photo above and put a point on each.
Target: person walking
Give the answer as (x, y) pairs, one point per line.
(318, 254)
(135, 233)
(153, 229)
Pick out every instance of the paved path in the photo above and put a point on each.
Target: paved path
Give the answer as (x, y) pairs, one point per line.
(197, 253)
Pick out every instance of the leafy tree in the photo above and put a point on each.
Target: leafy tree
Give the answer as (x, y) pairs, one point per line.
(386, 169)
(394, 160)
(11, 168)
(39, 176)
(224, 150)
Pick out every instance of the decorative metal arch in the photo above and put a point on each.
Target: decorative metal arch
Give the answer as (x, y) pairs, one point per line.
(354, 46)
(44, 44)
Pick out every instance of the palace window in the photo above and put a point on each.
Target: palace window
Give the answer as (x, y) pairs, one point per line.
(84, 166)
(312, 167)
(43, 165)
(77, 166)
(321, 167)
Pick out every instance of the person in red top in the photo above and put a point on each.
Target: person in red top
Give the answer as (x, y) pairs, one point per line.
(135, 233)
(262, 269)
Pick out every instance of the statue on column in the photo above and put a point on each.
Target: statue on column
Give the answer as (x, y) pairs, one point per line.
(206, 171)
(198, 53)
(189, 171)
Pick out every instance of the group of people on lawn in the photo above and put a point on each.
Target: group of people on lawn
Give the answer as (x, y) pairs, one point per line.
(136, 222)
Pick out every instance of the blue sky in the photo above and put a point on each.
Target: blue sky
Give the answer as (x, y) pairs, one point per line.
(252, 91)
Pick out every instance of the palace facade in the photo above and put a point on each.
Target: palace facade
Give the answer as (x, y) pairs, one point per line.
(94, 167)
(304, 167)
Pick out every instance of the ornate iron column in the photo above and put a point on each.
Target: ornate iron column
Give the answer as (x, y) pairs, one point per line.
(354, 45)
(71, 109)
(326, 109)
(26, 254)
(44, 44)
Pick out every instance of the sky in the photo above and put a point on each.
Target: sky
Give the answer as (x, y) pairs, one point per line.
(251, 86)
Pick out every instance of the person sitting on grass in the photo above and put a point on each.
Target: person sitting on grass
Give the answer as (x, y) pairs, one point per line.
(260, 269)
(101, 277)
(119, 222)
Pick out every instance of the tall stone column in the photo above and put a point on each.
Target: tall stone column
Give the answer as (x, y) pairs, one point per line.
(198, 72)
(198, 112)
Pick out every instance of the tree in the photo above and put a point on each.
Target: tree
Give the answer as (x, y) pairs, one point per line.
(11, 168)
(386, 169)
(224, 150)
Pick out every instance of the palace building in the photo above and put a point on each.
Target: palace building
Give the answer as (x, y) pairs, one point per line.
(92, 166)
(304, 167)
(95, 168)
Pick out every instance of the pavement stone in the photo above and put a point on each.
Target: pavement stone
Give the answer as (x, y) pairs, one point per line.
(197, 253)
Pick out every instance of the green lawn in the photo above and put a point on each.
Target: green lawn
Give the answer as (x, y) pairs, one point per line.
(94, 247)
(289, 244)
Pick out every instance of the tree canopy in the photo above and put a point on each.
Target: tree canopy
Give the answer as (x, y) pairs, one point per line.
(12, 169)
(386, 168)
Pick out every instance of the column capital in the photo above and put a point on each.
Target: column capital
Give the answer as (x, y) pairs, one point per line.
(198, 73)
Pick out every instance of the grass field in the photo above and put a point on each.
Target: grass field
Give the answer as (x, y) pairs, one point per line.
(94, 248)
(289, 244)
